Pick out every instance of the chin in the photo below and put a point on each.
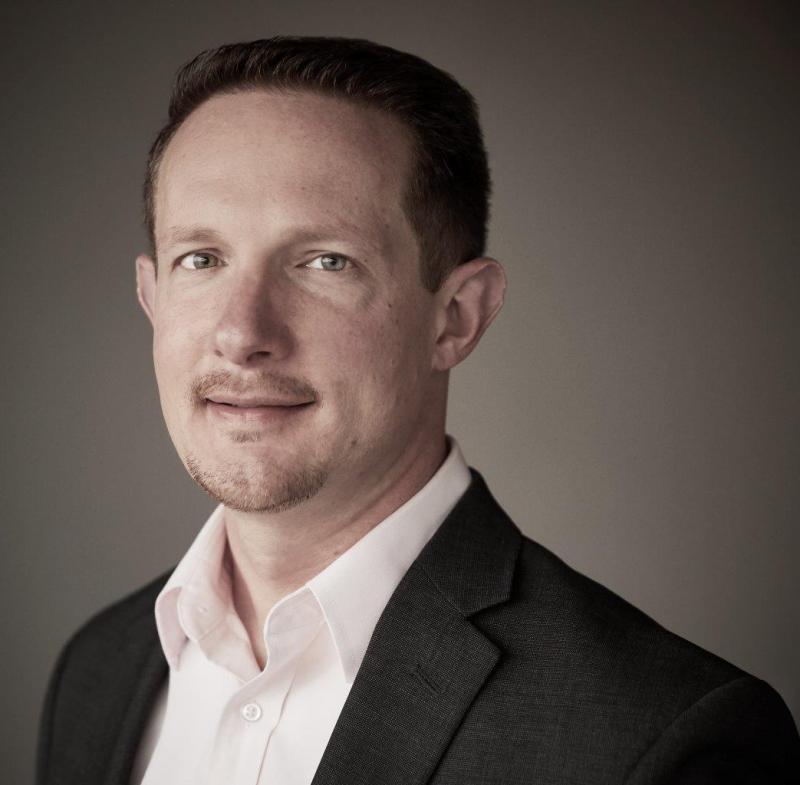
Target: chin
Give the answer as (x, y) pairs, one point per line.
(263, 490)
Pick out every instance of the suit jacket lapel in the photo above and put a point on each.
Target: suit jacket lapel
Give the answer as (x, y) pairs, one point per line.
(426, 661)
(141, 695)
(107, 696)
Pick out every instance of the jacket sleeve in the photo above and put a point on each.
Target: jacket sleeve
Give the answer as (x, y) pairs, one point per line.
(740, 733)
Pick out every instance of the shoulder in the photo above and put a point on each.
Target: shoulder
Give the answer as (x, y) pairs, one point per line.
(590, 642)
(108, 638)
(600, 631)
(112, 639)
(597, 647)
(117, 621)
(112, 663)
(626, 694)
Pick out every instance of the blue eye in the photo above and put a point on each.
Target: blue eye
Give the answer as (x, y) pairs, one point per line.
(332, 262)
(199, 261)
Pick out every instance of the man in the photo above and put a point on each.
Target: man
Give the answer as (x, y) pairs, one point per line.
(358, 609)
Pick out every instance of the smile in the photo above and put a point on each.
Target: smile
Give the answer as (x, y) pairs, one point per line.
(256, 412)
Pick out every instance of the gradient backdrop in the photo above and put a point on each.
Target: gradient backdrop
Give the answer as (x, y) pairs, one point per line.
(635, 408)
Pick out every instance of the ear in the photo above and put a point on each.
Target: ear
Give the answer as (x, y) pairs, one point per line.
(469, 299)
(146, 285)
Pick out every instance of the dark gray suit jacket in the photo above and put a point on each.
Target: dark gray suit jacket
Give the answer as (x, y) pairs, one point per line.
(493, 662)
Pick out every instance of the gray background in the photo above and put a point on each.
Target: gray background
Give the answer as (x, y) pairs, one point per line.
(635, 408)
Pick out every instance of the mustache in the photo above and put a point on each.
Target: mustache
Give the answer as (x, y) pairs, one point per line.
(268, 383)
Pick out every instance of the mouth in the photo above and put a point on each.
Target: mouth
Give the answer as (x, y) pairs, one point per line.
(255, 410)
(254, 403)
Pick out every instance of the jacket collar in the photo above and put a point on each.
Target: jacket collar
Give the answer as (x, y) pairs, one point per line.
(471, 558)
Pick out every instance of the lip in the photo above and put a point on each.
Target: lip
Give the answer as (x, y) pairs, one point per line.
(251, 402)
(256, 412)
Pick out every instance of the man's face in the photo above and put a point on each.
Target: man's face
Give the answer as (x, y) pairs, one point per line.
(293, 338)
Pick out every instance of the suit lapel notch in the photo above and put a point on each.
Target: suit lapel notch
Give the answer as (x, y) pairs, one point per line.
(423, 668)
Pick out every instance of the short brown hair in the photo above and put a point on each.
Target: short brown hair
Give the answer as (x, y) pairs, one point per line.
(447, 198)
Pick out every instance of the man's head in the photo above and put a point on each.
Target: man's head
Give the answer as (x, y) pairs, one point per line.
(299, 352)
(446, 197)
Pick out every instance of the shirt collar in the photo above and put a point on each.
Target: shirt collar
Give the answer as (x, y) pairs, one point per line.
(200, 582)
(381, 558)
(197, 596)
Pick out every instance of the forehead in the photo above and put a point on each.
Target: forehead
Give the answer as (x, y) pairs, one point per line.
(277, 155)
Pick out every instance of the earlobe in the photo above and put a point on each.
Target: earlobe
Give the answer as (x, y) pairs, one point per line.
(470, 299)
(146, 284)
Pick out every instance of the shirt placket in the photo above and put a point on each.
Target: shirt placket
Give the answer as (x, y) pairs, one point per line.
(252, 714)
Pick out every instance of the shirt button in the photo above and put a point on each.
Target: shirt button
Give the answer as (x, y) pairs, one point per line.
(251, 712)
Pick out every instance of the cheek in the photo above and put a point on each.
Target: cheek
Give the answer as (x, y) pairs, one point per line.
(387, 362)
(177, 341)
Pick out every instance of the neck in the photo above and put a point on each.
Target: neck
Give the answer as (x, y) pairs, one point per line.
(272, 555)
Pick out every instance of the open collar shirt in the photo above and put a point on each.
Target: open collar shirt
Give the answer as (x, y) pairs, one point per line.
(221, 719)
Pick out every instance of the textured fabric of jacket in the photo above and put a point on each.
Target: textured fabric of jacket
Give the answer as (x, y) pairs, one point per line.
(493, 664)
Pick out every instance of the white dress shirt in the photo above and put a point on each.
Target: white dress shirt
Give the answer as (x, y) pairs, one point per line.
(222, 720)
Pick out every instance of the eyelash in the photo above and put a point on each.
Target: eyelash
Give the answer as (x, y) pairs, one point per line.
(346, 259)
(181, 259)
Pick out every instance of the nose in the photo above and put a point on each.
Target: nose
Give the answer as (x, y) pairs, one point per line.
(252, 324)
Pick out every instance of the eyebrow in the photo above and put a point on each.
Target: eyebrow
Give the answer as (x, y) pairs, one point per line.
(178, 235)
